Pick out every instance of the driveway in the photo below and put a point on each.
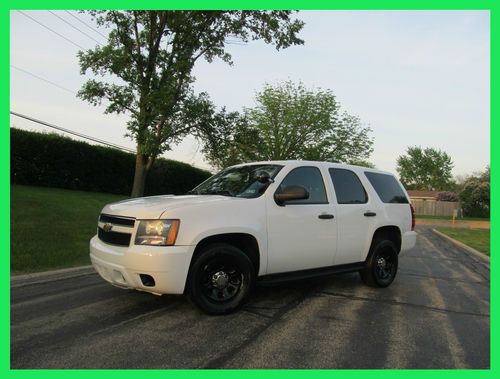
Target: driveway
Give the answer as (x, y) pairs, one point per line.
(435, 315)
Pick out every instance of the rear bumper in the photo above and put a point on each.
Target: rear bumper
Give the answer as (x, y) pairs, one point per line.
(408, 241)
(122, 266)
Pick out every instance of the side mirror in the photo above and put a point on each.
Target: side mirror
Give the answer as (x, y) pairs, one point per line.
(291, 193)
(263, 177)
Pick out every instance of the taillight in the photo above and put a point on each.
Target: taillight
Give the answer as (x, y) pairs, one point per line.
(412, 217)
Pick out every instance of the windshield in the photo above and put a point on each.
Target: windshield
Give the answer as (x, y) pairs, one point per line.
(238, 181)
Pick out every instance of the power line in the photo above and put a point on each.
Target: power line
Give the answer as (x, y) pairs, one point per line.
(72, 132)
(42, 79)
(102, 142)
(74, 27)
(87, 25)
(52, 30)
(46, 80)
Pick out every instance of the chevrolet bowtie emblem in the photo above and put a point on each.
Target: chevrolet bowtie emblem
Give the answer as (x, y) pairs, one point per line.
(107, 227)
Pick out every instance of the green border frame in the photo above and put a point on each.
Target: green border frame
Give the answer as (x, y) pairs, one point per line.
(7, 5)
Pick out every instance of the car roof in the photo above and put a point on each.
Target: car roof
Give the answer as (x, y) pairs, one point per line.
(298, 163)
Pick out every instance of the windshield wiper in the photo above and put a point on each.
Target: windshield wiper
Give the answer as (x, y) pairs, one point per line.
(218, 192)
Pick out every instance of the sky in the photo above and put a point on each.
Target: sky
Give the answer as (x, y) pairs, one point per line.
(416, 78)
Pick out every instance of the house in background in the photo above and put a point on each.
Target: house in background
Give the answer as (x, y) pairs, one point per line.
(426, 204)
(422, 195)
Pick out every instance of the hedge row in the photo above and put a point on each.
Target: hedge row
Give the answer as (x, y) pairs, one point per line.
(51, 160)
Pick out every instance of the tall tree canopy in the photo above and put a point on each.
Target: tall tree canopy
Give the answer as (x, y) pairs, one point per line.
(147, 69)
(425, 169)
(290, 121)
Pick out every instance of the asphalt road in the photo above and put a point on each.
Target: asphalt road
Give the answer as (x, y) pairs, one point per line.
(435, 315)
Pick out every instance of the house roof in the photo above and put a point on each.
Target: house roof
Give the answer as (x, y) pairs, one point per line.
(428, 194)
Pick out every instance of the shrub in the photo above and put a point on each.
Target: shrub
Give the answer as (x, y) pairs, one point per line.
(447, 196)
(475, 197)
(50, 160)
(475, 194)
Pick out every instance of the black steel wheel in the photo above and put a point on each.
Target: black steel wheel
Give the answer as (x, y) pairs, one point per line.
(382, 264)
(220, 279)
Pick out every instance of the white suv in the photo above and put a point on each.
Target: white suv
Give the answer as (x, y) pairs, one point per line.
(257, 222)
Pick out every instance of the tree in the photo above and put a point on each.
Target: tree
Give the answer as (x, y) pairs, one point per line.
(226, 142)
(292, 122)
(363, 163)
(475, 195)
(148, 61)
(425, 169)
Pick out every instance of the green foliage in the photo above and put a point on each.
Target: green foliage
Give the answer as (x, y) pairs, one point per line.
(447, 196)
(362, 163)
(226, 143)
(291, 122)
(173, 177)
(475, 195)
(425, 169)
(148, 62)
(50, 160)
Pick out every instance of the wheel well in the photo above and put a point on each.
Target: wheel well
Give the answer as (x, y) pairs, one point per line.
(245, 242)
(389, 232)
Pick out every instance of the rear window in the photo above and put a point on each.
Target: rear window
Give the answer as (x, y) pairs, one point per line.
(387, 188)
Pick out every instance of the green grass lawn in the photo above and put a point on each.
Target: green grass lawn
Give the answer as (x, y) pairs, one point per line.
(478, 239)
(449, 218)
(51, 228)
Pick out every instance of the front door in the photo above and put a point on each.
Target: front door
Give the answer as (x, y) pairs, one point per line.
(302, 234)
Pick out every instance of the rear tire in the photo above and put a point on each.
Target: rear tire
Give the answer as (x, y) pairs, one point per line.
(382, 264)
(220, 279)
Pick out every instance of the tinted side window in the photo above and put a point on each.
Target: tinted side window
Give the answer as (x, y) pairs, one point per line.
(348, 187)
(310, 178)
(387, 187)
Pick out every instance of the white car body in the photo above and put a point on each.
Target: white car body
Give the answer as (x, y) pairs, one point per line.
(289, 238)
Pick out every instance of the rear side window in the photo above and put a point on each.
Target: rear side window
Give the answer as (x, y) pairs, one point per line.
(387, 188)
(348, 187)
(311, 179)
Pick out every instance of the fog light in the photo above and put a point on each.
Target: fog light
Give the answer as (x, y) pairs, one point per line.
(147, 280)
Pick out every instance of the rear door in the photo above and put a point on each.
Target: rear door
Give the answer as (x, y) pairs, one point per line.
(393, 195)
(356, 214)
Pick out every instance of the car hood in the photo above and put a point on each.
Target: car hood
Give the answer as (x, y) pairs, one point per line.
(153, 207)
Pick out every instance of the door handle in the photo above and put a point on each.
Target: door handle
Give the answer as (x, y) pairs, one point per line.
(370, 214)
(325, 216)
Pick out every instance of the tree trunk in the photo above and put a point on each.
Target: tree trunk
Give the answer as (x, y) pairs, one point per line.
(142, 167)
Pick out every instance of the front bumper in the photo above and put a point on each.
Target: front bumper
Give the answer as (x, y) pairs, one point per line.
(122, 266)
(408, 241)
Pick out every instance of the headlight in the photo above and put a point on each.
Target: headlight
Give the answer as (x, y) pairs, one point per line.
(157, 232)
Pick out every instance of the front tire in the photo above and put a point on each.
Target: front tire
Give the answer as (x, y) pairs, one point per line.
(382, 265)
(220, 279)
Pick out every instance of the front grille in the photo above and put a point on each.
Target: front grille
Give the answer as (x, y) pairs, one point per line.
(117, 220)
(114, 238)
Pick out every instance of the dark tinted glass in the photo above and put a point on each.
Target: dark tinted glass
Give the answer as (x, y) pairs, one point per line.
(387, 187)
(348, 187)
(238, 181)
(310, 178)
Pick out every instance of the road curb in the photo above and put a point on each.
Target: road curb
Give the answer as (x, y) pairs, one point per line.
(465, 247)
(49, 276)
